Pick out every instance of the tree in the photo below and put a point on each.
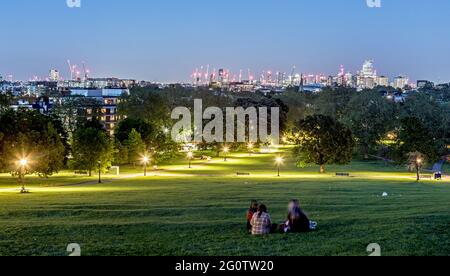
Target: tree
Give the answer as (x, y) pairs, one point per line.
(5, 102)
(322, 141)
(268, 102)
(120, 153)
(135, 147)
(156, 140)
(72, 110)
(300, 105)
(91, 145)
(432, 115)
(31, 136)
(145, 104)
(125, 127)
(163, 148)
(370, 117)
(333, 102)
(414, 136)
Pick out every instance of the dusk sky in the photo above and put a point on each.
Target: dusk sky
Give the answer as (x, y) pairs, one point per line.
(165, 40)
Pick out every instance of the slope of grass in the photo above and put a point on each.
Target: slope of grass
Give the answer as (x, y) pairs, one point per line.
(201, 211)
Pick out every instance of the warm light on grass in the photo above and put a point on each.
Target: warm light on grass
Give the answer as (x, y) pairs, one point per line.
(145, 160)
(226, 150)
(279, 161)
(190, 155)
(23, 162)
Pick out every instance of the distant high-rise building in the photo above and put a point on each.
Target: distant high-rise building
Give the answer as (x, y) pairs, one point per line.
(367, 78)
(348, 77)
(54, 75)
(400, 82)
(340, 79)
(221, 75)
(368, 70)
(383, 81)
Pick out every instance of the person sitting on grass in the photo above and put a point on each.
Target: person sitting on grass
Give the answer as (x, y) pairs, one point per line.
(261, 222)
(297, 220)
(251, 211)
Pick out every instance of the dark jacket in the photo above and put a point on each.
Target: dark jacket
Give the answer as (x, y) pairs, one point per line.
(298, 221)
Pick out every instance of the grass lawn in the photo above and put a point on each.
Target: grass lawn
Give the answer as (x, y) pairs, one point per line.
(201, 211)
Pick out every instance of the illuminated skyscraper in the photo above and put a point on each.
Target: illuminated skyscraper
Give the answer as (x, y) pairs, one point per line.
(383, 81)
(368, 70)
(368, 76)
(400, 82)
(54, 75)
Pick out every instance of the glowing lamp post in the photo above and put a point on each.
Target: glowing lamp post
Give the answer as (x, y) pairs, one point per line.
(226, 150)
(279, 161)
(250, 148)
(22, 166)
(419, 162)
(145, 161)
(190, 155)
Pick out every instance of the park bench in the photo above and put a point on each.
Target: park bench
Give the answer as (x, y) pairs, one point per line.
(81, 173)
(207, 158)
(242, 174)
(343, 174)
(426, 176)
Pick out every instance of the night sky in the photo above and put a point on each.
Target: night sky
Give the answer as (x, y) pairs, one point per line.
(165, 40)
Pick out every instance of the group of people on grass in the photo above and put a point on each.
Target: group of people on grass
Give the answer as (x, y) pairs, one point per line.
(260, 223)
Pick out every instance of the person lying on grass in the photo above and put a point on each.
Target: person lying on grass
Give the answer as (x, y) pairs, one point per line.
(297, 220)
(251, 211)
(261, 222)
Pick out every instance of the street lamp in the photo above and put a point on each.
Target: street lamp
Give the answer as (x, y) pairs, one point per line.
(22, 166)
(226, 150)
(99, 172)
(419, 162)
(190, 155)
(23, 162)
(145, 161)
(250, 149)
(279, 161)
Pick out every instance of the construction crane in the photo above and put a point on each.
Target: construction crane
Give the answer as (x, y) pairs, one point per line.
(70, 69)
(293, 75)
(86, 72)
(207, 75)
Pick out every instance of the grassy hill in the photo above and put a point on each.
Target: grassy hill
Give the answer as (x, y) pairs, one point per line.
(201, 211)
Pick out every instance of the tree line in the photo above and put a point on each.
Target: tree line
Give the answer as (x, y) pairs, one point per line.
(331, 127)
(380, 126)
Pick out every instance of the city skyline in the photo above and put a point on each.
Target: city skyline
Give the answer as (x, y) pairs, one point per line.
(166, 41)
(80, 71)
